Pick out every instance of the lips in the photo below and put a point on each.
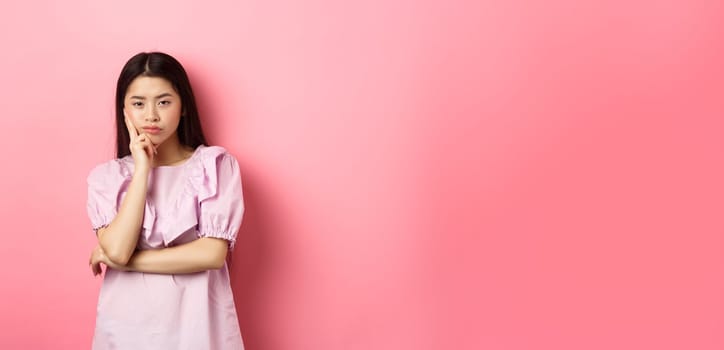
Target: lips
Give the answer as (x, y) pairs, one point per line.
(153, 130)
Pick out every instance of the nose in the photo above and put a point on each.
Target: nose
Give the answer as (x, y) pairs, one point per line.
(151, 115)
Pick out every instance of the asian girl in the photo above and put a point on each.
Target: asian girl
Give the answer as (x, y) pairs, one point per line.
(166, 212)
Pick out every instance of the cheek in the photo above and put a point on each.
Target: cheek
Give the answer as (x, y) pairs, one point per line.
(135, 114)
(173, 115)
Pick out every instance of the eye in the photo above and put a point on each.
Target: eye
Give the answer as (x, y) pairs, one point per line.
(137, 104)
(164, 103)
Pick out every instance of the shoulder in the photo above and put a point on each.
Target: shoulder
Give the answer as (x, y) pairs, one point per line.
(112, 169)
(211, 151)
(211, 156)
(213, 167)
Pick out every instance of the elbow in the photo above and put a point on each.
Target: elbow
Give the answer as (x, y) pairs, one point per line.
(216, 265)
(120, 258)
(217, 254)
(114, 252)
(217, 262)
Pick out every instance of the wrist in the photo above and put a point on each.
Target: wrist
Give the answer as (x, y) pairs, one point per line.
(140, 173)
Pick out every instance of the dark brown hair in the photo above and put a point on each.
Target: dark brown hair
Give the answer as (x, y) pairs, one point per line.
(161, 65)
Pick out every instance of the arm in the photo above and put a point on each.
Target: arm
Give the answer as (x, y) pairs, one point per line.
(218, 225)
(199, 255)
(120, 237)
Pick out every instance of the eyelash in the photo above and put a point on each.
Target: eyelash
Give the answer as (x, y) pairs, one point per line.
(139, 104)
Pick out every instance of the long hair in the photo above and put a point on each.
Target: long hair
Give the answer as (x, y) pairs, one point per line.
(161, 65)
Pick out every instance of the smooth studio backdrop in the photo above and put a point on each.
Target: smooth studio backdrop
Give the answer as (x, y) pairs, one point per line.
(417, 174)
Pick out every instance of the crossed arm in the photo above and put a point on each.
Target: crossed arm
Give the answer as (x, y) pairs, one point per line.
(199, 255)
(117, 242)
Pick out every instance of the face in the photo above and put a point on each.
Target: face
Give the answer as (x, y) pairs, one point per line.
(153, 107)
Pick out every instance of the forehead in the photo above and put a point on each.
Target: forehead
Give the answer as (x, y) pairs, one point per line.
(149, 86)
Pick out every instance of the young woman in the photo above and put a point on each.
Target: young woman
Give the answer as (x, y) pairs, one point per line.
(166, 213)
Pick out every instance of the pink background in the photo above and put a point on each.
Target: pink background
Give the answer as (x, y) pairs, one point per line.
(417, 174)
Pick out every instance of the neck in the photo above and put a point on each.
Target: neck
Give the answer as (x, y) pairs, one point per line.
(169, 152)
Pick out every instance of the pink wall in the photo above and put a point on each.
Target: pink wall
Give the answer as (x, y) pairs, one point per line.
(418, 174)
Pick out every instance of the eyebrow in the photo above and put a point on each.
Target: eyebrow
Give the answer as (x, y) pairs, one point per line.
(165, 94)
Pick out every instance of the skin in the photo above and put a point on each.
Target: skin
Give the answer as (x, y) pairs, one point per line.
(151, 102)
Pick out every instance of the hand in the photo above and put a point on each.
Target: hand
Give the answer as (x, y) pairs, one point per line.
(142, 149)
(97, 257)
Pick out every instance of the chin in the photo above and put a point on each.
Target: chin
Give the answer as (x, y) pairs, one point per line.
(157, 141)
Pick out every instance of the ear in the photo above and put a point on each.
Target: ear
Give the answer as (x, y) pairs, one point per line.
(125, 114)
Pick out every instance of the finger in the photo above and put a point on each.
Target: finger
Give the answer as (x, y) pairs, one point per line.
(145, 142)
(151, 147)
(141, 142)
(131, 129)
(141, 138)
(155, 147)
(95, 268)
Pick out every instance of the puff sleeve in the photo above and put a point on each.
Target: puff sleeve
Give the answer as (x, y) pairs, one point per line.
(220, 214)
(105, 183)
